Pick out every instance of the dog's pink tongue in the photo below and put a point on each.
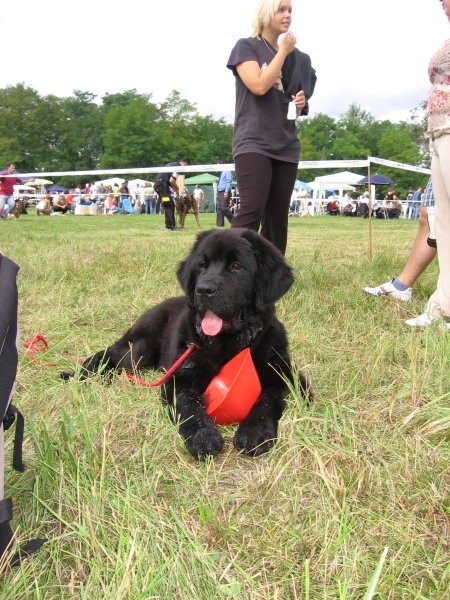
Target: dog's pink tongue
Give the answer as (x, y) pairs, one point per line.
(211, 323)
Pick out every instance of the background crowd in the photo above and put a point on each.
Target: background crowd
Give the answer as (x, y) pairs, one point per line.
(357, 204)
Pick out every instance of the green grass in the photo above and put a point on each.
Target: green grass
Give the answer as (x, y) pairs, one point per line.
(353, 501)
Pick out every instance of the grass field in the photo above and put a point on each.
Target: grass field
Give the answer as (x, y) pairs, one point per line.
(352, 503)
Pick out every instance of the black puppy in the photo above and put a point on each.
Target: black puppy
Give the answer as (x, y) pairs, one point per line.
(231, 279)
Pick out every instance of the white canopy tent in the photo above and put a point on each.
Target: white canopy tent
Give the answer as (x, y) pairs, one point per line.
(340, 182)
(111, 181)
(320, 190)
(136, 185)
(23, 190)
(136, 182)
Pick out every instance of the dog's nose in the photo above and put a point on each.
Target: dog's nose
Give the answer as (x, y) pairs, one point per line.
(206, 288)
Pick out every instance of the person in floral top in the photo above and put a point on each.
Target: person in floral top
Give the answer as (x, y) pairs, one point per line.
(438, 116)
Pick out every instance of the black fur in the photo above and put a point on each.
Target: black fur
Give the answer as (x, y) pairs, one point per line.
(238, 275)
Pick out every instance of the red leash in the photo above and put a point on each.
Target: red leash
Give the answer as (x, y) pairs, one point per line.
(38, 343)
(191, 347)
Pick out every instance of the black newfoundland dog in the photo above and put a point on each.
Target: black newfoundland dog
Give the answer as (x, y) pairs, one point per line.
(231, 280)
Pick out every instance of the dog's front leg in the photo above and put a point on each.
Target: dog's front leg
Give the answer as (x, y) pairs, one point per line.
(258, 432)
(100, 362)
(200, 434)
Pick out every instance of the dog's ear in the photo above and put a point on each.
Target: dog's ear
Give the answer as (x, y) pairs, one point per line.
(187, 269)
(274, 276)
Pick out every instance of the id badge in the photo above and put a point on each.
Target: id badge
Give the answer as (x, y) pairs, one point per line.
(292, 111)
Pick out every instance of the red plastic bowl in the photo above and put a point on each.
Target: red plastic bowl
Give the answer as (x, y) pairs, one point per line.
(234, 390)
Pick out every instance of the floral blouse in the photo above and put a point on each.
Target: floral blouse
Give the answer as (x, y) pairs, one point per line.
(439, 96)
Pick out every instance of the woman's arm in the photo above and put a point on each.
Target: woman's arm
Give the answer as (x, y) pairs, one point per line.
(259, 81)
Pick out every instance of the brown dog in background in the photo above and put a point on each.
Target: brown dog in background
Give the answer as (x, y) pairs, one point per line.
(185, 204)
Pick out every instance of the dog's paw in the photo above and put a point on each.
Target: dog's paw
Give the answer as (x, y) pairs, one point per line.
(66, 375)
(255, 438)
(205, 442)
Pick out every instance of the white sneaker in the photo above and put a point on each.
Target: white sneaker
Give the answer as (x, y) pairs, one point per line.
(388, 289)
(424, 320)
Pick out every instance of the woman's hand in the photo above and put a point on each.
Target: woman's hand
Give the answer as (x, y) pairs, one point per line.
(260, 81)
(299, 101)
(287, 42)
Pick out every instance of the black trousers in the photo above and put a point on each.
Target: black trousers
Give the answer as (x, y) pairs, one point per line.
(169, 214)
(223, 210)
(265, 188)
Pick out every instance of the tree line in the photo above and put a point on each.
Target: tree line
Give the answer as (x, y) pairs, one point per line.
(82, 132)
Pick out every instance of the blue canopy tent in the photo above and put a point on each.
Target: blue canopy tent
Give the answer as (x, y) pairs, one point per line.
(58, 189)
(376, 179)
(301, 185)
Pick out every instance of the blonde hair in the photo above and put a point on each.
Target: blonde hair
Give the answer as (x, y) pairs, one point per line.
(265, 11)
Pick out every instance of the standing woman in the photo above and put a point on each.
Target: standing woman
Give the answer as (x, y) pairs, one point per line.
(7, 200)
(274, 81)
(438, 118)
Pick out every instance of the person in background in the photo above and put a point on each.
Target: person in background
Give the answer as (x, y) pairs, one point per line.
(409, 203)
(149, 198)
(110, 205)
(233, 206)
(102, 192)
(44, 206)
(349, 209)
(7, 200)
(391, 209)
(116, 192)
(165, 184)
(274, 82)
(415, 203)
(363, 204)
(139, 204)
(422, 253)
(198, 194)
(70, 200)
(389, 197)
(224, 198)
(124, 192)
(438, 129)
(333, 206)
(60, 204)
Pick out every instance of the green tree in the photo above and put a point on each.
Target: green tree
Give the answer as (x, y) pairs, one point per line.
(417, 126)
(353, 139)
(179, 120)
(80, 140)
(133, 135)
(316, 135)
(396, 143)
(358, 122)
(20, 127)
(122, 99)
(212, 141)
(139, 133)
(128, 130)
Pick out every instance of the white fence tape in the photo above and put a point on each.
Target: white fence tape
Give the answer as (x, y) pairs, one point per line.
(399, 165)
(303, 164)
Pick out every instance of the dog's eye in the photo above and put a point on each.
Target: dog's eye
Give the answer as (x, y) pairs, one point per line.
(235, 266)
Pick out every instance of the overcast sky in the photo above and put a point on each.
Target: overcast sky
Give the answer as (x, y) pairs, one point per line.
(374, 54)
